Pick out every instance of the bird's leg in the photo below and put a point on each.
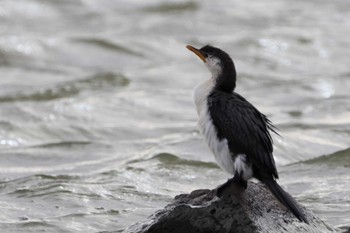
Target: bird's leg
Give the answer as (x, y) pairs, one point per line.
(236, 180)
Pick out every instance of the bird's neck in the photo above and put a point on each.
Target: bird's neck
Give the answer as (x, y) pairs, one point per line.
(226, 79)
(201, 93)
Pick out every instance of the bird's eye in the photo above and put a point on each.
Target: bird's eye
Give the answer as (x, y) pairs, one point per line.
(205, 55)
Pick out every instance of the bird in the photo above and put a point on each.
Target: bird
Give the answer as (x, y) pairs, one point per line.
(236, 132)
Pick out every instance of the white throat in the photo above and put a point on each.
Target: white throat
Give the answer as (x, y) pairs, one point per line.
(202, 90)
(201, 93)
(214, 66)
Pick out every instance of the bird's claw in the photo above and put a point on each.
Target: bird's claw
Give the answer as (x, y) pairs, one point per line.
(240, 183)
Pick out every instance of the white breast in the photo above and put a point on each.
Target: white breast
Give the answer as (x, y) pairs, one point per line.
(205, 124)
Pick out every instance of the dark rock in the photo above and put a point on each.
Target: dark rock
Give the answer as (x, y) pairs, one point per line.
(252, 210)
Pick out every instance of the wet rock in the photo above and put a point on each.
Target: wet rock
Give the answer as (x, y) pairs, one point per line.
(252, 210)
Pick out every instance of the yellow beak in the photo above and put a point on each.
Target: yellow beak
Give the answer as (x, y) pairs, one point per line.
(197, 52)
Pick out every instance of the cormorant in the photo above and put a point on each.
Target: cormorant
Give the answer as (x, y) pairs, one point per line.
(236, 132)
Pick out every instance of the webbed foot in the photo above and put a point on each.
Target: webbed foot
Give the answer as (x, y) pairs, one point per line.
(236, 181)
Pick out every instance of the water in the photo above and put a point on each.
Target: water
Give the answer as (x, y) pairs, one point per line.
(97, 124)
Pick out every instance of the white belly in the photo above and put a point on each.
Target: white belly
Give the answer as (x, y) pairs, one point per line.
(219, 147)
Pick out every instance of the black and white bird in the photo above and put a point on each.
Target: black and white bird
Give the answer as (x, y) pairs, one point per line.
(236, 132)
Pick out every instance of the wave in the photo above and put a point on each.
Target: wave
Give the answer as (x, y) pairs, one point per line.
(167, 159)
(172, 7)
(106, 44)
(339, 158)
(71, 88)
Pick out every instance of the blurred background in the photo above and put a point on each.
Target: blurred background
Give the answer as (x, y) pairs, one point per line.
(97, 124)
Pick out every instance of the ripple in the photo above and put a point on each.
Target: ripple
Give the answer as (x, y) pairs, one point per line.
(295, 113)
(3, 58)
(339, 158)
(41, 186)
(172, 7)
(38, 181)
(64, 144)
(36, 223)
(106, 44)
(170, 159)
(56, 177)
(68, 89)
(42, 190)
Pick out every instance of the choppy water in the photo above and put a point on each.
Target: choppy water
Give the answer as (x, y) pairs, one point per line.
(97, 125)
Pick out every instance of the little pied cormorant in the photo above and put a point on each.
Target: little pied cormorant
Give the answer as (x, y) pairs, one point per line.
(236, 132)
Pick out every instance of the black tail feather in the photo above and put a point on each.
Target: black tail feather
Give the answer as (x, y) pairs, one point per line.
(285, 199)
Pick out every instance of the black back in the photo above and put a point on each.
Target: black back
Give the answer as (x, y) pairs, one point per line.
(246, 130)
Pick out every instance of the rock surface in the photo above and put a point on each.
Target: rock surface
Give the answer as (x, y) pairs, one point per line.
(254, 210)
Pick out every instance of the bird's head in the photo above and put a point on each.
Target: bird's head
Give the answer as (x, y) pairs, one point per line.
(219, 63)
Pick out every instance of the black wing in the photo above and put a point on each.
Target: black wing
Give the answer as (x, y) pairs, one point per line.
(245, 128)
